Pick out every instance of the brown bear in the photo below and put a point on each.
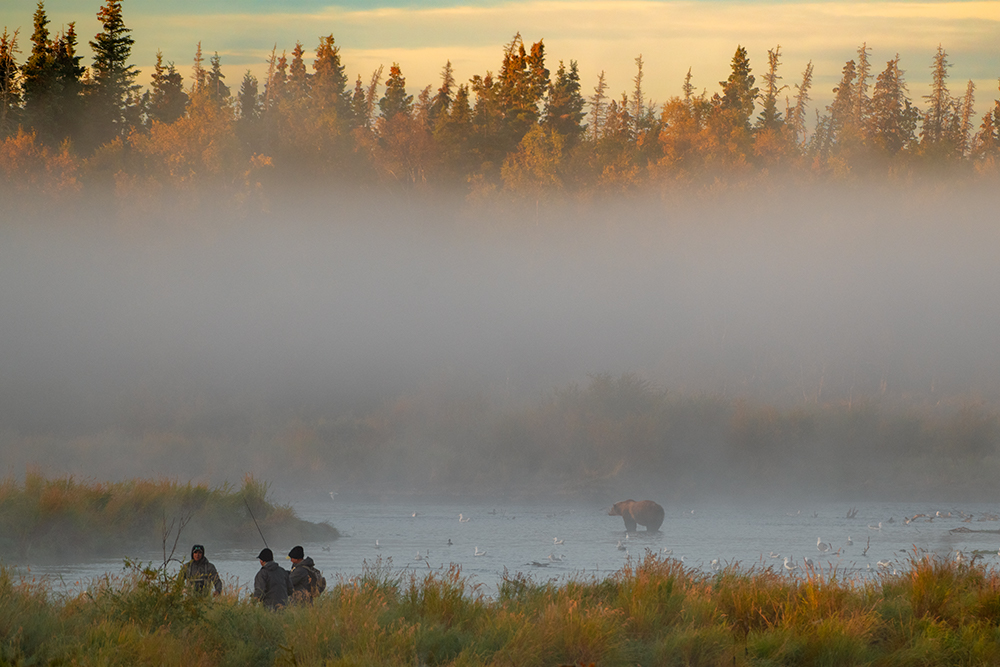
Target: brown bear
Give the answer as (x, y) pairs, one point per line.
(644, 512)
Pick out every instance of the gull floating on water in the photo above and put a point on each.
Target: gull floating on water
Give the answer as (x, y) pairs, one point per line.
(556, 540)
(556, 559)
(462, 519)
(377, 545)
(790, 566)
(849, 541)
(774, 555)
(668, 552)
(480, 553)
(878, 527)
(333, 495)
(822, 546)
(715, 565)
(621, 547)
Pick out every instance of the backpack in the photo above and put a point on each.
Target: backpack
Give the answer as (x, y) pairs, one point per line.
(317, 582)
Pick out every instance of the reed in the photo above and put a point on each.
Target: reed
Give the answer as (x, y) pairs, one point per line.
(44, 519)
(652, 612)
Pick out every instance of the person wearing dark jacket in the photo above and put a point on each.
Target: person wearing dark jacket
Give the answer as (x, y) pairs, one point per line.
(302, 576)
(200, 575)
(271, 585)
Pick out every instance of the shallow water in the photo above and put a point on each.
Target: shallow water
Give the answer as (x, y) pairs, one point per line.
(520, 538)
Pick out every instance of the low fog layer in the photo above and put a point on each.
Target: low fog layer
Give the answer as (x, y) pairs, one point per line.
(335, 309)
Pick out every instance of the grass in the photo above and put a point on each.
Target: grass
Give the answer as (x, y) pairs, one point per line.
(51, 519)
(652, 612)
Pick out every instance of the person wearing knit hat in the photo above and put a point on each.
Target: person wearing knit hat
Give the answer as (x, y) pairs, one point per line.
(307, 581)
(271, 585)
(200, 575)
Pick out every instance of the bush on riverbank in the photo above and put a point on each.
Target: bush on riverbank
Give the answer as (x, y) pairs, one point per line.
(652, 612)
(50, 519)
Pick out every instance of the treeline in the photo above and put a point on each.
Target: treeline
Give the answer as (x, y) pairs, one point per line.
(615, 434)
(519, 132)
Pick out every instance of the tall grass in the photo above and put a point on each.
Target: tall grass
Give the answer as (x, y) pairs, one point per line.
(651, 612)
(47, 519)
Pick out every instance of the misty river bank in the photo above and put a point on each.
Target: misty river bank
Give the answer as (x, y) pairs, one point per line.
(610, 438)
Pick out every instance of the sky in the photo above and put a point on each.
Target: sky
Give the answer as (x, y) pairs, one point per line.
(601, 35)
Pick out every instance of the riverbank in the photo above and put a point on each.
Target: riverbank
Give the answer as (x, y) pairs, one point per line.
(652, 612)
(46, 520)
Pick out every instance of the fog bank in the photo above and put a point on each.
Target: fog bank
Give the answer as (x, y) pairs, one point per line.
(331, 308)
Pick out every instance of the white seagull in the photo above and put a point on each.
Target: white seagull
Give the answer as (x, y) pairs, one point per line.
(377, 545)
(621, 547)
(822, 546)
(556, 540)
(480, 553)
(462, 519)
(849, 541)
(790, 566)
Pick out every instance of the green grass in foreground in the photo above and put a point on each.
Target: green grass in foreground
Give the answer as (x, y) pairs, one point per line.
(50, 519)
(652, 612)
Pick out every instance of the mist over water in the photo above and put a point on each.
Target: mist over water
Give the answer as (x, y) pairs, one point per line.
(112, 330)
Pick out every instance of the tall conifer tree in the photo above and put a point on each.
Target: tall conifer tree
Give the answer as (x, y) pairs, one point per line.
(113, 89)
(770, 117)
(329, 83)
(10, 85)
(738, 91)
(166, 101)
(395, 101)
(564, 106)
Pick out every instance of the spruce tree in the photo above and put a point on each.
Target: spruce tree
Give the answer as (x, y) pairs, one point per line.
(248, 100)
(521, 85)
(770, 117)
(395, 101)
(738, 91)
(113, 89)
(216, 89)
(893, 118)
(598, 107)
(329, 83)
(937, 118)
(10, 87)
(859, 115)
(357, 109)
(442, 99)
(564, 106)
(637, 105)
(963, 136)
(797, 117)
(39, 76)
(167, 100)
(298, 78)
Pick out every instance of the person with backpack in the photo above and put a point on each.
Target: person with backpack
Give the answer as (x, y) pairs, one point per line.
(271, 585)
(307, 581)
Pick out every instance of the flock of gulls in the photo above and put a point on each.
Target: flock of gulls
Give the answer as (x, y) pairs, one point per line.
(829, 554)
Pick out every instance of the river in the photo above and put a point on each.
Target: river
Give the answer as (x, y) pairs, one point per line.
(579, 540)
